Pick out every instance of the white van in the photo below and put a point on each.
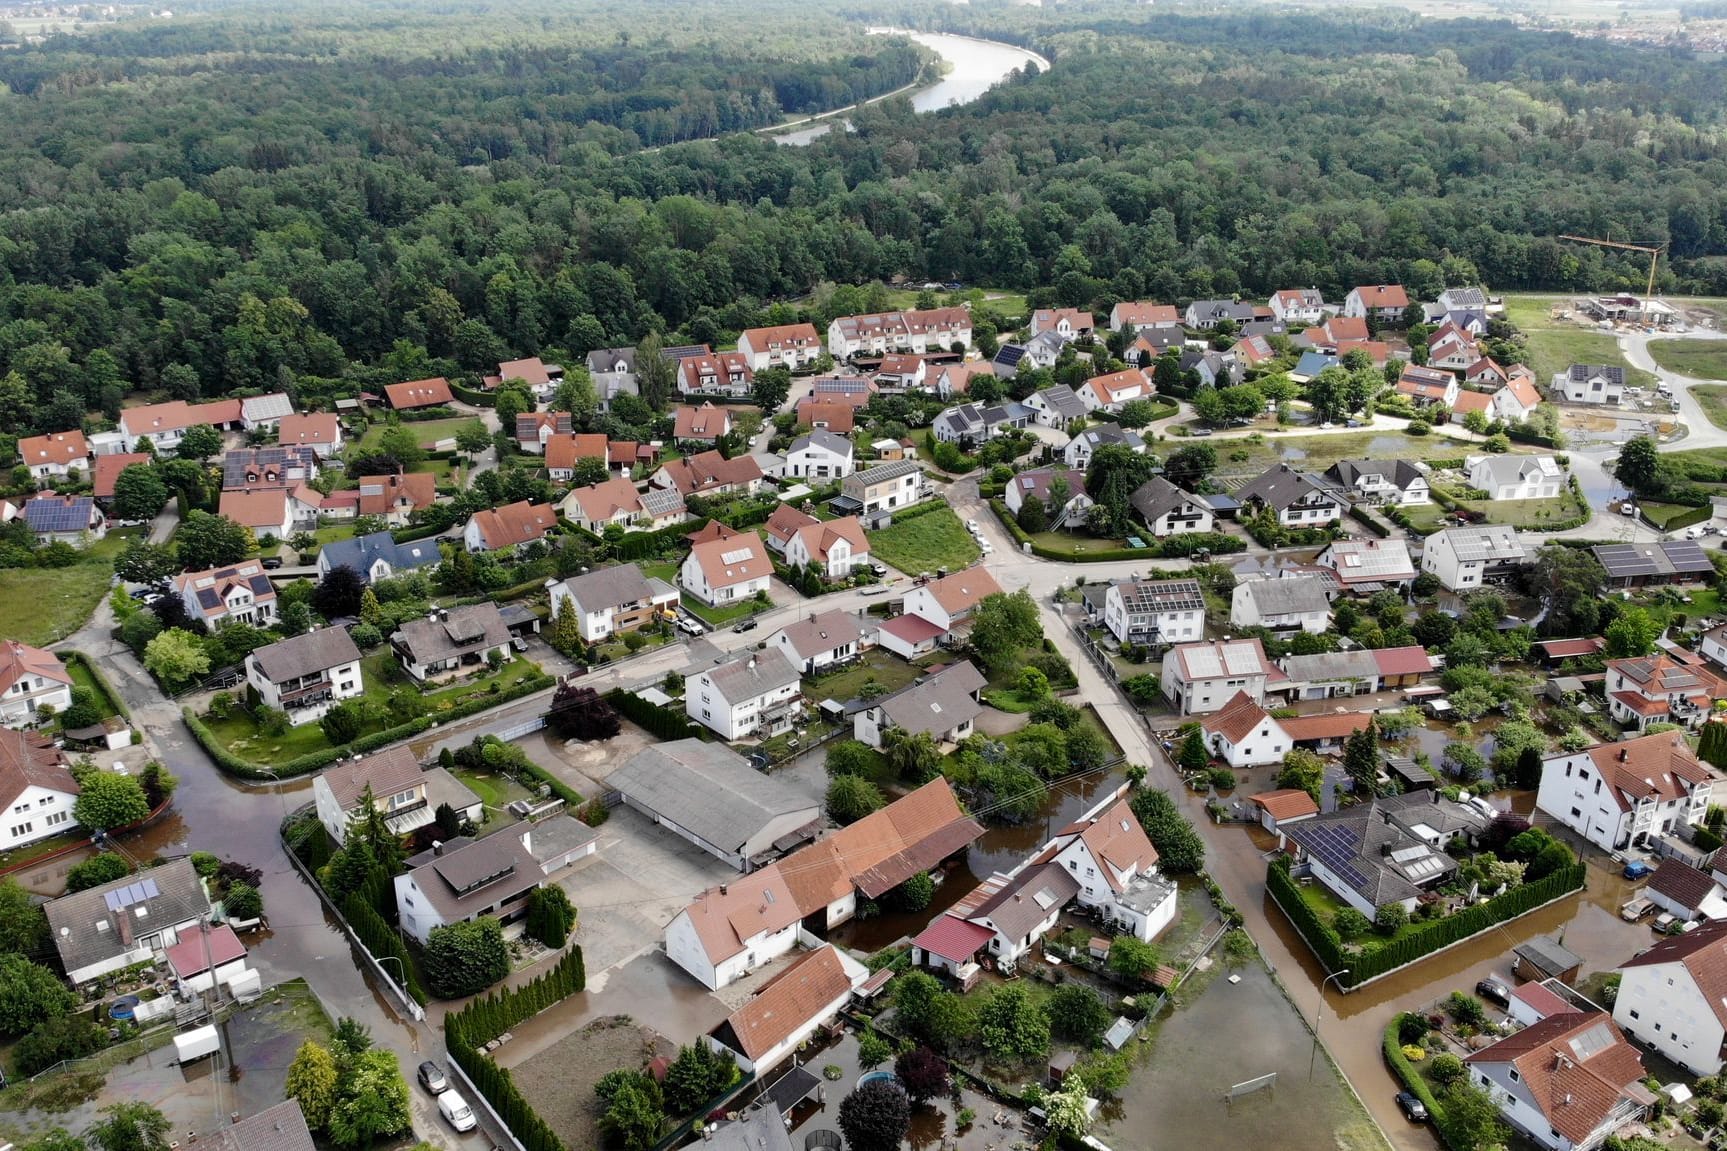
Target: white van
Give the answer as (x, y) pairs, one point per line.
(454, 1108)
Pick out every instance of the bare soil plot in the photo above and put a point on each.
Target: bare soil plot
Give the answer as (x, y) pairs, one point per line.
(559, 1081)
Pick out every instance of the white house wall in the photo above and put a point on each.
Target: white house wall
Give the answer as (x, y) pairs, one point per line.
(1661, 1005)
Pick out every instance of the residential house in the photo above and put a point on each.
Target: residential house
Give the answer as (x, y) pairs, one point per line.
(732, 929)
(1627, 794)
(1464, 306)
(132, 920)
(950, 600)
(1137, 315)
(792, 346)
(821, 641)
(1590, 384)
(1243, 734)
(1056, 406)
(1382, 302)
(207, 958)
(819, 455)
(306, 675)
(1168, 510)
(1020, 909)
(1427, 387)
(1518, 399)
(1329, 675)
(915, 331)
(785, 522)
(902, 373)
(31, 678)
(464, 879)
(1566, 1082)
(841, 419)
(1517, 477)
(432, 393)
(875, 493)
(406, 796)
(789, 1009)
(37, 790)
(74, 520)
(1386, 850)
(1115, 865)
(512, 526)
(53, 455)
(1469, 401)
(534, 429)
(944, 705)
(266, 512)
(710, 474)
(891, 450)
(1364, 566)
(754, 695)
(700, 425)
(854, 390)
(1040, 482)
(1401, 483)
(284, 468)
(1207, 314)
(613, 371)
(542, 378)
(977, 423)
(1151, 344)
(719, 572)
(1212, 368)
(320, 431)
(716, 373)
(1202, 677)
(1685, 892)
(835, 548)
(609, 601)
(1488, 374)
(278, 1128)
(1660, 562)
(1297, 498)
(459, 640)
(1335, 333)
(909, 636)
(1670, 998)
(1300, 604)
(1068, 323)
(609, 502)
(1669, 687)
(1085, 444)
(1154, 612)
(377, 556)
(397, 497)
(1465, 558)
(241, 592)
(165, 424)
(1713, 645)
(1109, 392)
(955, 379)
(105, 473)
(1294, 306)
(715, 798)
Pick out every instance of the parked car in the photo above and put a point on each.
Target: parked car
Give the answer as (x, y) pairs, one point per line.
(1494, 992)
(1636, 869)
(689, 626)
(1412, 1107)
(747, 625)
(433, 1079)
(1207, 431)
(880, 570)
(454, 1108)
(518, 643)
(150, 597)
(1627, 508)
(1636, 909)
(271, 563)
(1664, 922)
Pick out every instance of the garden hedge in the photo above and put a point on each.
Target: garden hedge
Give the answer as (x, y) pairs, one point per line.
(1413, 1080)
(102, 681)
(1361, 516)
(1434, 935)
(381, 940)
(312, 761)
(1175, 547)
(661, 722)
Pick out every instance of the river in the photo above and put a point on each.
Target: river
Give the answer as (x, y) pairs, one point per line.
(974, 66)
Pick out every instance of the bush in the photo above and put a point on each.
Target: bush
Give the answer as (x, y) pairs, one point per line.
(873, 1050)
(1446, 1069)
(243, 902)
(466, 958)
(54, 1040)
(95, 871)
(1350, 923)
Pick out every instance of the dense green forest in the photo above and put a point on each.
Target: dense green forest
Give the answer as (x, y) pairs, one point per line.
(280, 195)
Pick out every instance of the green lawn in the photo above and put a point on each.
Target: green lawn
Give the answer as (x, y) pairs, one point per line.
(1659, 513)
(934, 540)
(1529, 513)
(1712, 398)
(1248, 456)
(40, 606)
(721, 616)
(878, 667)
(1077, 543)
(1555, 345)
(426, 432)
(81, 677)
(1701, 359)
(1704, 602)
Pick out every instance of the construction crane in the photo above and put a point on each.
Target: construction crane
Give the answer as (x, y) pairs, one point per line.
(1652, 251)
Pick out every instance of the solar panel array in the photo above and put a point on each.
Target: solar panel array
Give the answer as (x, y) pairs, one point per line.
(1335, 845)
(123, 897)
(1164, 595)
(1484, 543)
(52, 514)
(1629, 561)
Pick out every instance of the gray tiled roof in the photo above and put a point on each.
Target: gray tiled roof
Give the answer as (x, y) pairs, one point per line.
(361, 553)
(1060, 399)
(1020, 906)
(753, 675)
(1158, 497)
(85, 926)
(605, 588)
(477, 627)
(822, 438)
(278, 1128)
(1287, 596)
(1326, 666)
(306, 654)
(708, 789)
(936, 703)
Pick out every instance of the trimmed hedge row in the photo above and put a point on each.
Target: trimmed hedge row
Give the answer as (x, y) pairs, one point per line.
(1429, 938)
(1683, 519)
(661, 722)
(483, 1020)
(1412, 1081)
(1360, 515)
(473, 398)
(1174, 547)
(312, 761)
(381, 940)
(102, 681)
(917, 511)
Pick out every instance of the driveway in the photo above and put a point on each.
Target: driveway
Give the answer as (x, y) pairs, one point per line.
(1701, 433)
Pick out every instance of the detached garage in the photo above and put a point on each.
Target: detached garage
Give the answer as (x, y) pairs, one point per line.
(708, 794)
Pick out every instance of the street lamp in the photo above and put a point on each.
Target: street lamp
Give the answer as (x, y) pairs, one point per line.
(1318, 1014)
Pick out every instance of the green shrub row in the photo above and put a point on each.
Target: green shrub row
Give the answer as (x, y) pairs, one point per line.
(1412, 1080)
(661, 722)
(485, 1019)
(901, 515)
(1430, 937)
(102, 682)
(639, 545)
(473, 398)
(1172, 547)
(1683, 519)
(313, 760)
(571, 797)
(382, 941)
(1361, 516)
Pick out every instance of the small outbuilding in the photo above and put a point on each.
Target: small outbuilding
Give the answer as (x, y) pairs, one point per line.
(1544, 957)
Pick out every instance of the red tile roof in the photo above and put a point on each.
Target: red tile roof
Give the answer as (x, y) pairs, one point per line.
(1656, 766)
(309, 428)
(419, 393)
(518, 523)
(108, 469)
(1412, 660)
(840, 419)
(1286, 803)
(1576, 1066)
(794, 999)
(1544, 1001)
(62, 448)
(1571, 648)
(1330, 725)
(30, 760)
(953, 938)
(1384, 296)
(1703, 953)
(1236, 719)
(202, 948)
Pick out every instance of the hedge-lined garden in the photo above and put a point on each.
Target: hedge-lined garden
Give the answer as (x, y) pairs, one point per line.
(1171, 547)
(1370, 962)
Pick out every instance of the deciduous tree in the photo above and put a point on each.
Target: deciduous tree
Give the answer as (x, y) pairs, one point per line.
(107, 800)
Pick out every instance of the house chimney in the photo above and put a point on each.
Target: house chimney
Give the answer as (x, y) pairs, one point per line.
(123, 926)
(724, 888)
(437, 847)
(1624, 755)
